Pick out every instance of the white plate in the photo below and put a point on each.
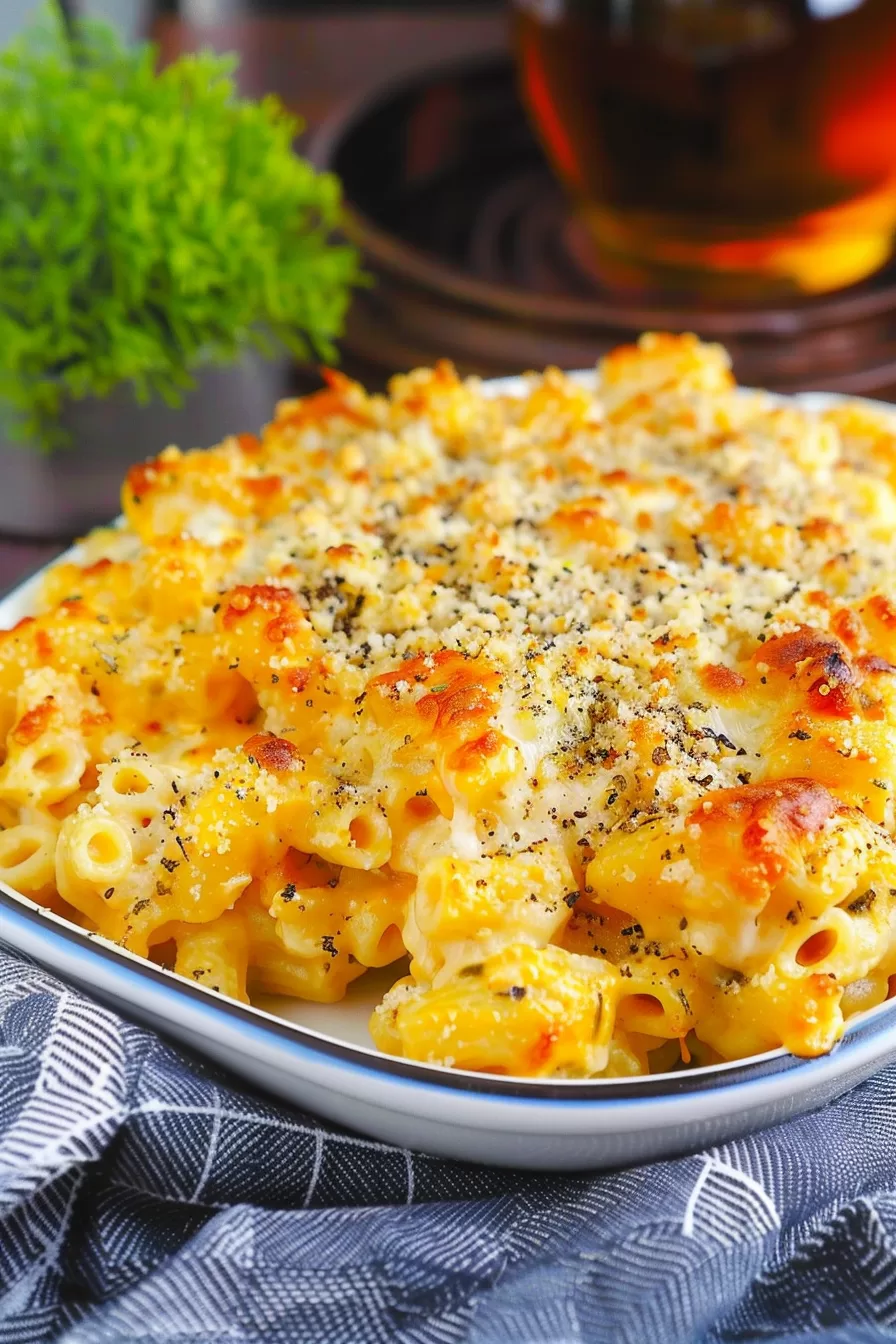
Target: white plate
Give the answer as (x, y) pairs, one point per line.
(321, 1058)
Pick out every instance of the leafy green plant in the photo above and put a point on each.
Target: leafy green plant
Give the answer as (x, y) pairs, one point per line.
(150, 223)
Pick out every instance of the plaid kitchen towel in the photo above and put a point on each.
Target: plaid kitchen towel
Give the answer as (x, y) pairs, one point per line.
(144, 1197)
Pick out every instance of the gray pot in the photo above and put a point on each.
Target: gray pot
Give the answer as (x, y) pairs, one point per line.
(62, 494)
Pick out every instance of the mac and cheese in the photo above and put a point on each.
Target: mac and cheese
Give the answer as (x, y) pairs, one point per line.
(578, 707)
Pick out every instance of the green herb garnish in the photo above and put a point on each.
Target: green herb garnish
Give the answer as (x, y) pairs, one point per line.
(150, 223)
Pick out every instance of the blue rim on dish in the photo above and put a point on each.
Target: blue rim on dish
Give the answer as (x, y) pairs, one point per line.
(255, 1022)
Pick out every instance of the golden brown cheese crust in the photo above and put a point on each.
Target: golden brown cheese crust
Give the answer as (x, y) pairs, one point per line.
(623, 654)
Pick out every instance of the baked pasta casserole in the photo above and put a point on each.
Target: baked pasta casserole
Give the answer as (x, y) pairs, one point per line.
(578, 706)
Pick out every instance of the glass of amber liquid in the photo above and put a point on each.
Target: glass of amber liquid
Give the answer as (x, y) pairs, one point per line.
(729, 149)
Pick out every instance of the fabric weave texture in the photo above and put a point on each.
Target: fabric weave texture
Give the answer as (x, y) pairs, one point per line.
(147, 1197)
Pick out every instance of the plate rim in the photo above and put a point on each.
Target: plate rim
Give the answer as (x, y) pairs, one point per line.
(866, 1035)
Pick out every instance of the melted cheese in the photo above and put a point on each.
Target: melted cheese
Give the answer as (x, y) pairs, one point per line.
(447, 625)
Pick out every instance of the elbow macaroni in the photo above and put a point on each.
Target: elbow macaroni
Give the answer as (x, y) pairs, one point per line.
(578, 707)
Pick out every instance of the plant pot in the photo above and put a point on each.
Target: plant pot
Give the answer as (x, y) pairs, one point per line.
(59, 495)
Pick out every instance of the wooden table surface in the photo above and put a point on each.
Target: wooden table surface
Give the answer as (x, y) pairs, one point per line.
(313, 62)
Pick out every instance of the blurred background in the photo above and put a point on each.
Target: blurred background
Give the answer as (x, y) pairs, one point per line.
(134, 16)
(533, 182)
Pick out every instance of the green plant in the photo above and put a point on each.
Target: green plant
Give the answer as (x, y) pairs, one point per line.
(150, 223)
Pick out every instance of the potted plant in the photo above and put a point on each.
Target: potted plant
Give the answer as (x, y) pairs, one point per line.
(164, 257)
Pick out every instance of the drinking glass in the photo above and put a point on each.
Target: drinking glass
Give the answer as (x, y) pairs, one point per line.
(731, 149)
